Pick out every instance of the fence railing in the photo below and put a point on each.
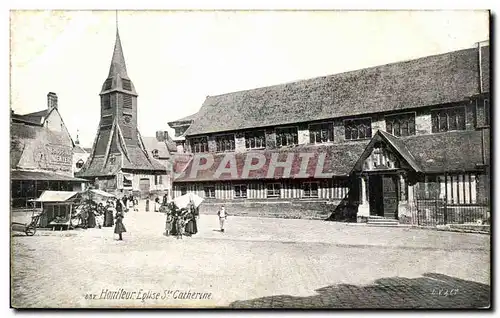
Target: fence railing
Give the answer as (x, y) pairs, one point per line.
(432, 212)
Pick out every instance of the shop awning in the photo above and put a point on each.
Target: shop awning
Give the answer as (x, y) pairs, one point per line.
(128, 177)
(42, 175)
(56, 196)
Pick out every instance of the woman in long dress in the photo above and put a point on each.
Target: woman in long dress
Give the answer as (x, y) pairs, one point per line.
(119, 227)
(191, 227)
(110, 211)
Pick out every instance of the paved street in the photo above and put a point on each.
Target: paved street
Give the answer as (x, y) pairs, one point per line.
(257, 262)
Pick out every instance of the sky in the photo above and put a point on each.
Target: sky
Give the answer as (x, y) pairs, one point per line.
(177, 58)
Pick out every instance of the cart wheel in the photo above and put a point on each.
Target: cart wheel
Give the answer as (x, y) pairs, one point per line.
(30, 231)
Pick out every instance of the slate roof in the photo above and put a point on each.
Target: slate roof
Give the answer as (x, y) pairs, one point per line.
(436, 153)
(432, 80)
(189, 118)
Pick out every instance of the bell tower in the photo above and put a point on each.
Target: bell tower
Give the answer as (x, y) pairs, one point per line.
(118, 101)
(118, 147)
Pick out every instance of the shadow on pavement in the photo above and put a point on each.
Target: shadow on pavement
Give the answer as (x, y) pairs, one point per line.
(432, 290)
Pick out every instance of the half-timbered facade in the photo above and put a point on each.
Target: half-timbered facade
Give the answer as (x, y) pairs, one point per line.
(371, 142)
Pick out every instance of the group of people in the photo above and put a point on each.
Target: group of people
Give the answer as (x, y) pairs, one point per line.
(99, 215)
(157, 204)
(181, 221)
(130, 203)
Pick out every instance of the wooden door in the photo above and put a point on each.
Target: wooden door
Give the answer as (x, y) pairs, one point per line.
(144, 185)
(390, 197)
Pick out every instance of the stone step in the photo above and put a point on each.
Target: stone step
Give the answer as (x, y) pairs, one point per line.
(383, 220)
(383, 224)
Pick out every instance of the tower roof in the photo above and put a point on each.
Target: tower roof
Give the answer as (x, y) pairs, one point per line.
(118, 79)
(118, 66)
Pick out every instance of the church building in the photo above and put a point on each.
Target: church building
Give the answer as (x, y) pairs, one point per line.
(119, 161)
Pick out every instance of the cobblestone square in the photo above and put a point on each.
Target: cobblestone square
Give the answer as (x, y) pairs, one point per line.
(256, 263)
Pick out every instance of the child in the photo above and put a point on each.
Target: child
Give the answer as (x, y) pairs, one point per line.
(168, 223)
(222, 217)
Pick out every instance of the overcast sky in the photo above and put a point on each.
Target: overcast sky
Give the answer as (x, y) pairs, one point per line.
(175, 59)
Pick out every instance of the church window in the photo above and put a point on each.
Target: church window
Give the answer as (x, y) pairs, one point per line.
(127, 101)
(126, 84)
(105, 102)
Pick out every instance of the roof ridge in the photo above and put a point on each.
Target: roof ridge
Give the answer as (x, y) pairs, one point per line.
(342, 73)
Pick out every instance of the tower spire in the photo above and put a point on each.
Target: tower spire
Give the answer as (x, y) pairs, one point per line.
(118, 66)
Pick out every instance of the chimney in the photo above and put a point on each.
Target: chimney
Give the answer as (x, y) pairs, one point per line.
(160, 135)
(51, 100)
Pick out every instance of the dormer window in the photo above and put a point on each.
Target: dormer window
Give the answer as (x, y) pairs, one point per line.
(126, 84)
(155, 154)
(107, 83)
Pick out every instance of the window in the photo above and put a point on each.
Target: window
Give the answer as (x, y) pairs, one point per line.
(273, 190)
(310, 189)
(255, 140)
(482, 112)
(199, 144)
(320, 133)
(400, 125)
(448, 119)
(127, 101)
(158, 179)
(127, 181)
(209, 192)
(79, 164)
(106, 102)
(225, 143)
(21, 192)
(286, 136)
(183, 190)
(240, 191)
(358, 129)
(107, 83)
(155, 154)
(126, 84)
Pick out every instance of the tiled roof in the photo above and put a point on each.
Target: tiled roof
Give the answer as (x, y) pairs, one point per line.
(152, 143)
(35, 118)
(451, 151)
(432, 80)
(30, 148)
(184, 119)
(338, 160)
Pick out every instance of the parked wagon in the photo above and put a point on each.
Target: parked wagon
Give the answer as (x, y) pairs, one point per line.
(27, 228)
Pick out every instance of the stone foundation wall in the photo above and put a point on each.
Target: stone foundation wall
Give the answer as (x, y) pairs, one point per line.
(290, 209)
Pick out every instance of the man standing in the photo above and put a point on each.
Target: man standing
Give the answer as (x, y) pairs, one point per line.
(222, 217)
